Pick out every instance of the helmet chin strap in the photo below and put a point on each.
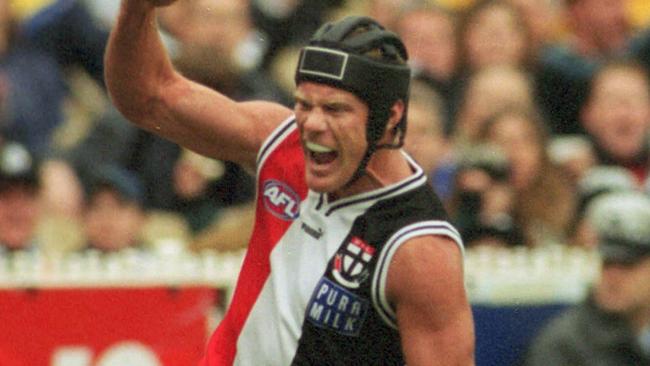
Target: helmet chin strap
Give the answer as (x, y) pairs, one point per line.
(372, 148)
(361, 169)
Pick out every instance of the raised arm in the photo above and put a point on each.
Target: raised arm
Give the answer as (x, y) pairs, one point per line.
(425, 283)
(144, 86)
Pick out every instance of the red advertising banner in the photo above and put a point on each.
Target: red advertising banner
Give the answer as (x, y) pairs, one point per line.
(153, 326)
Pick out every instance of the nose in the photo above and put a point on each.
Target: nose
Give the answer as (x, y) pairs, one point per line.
(314, 121)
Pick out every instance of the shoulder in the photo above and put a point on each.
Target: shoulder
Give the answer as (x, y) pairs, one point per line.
(266, 117)
(281, 139)
(418, 240)
(427, 289)
(429, 263)
(411, 205)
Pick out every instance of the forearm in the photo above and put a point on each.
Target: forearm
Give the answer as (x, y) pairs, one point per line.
(136, 61)
(148, 91)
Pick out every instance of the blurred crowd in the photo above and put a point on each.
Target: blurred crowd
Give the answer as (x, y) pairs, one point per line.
(521, 111)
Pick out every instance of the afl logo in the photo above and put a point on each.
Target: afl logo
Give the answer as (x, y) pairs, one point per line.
(282, 201)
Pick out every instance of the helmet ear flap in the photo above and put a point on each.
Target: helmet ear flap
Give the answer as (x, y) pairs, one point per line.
(375, 130)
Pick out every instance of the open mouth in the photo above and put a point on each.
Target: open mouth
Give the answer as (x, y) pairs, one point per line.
(320, 154)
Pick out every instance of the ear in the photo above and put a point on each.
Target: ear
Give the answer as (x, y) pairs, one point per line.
(396, 112)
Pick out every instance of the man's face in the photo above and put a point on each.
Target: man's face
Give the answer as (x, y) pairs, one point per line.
(489, 91)
(495, 37)
(430, 40)
(624, 288)
(618, 112)
(19, 210)
(424, 139)
(605, 20)
(112, 223)
(332, 125)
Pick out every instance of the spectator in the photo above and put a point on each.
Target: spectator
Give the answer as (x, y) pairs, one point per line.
(598, 27)
(218, 46)
(67, 31)
(597, 181)
(573, 153)
(286, 22)
(429, 34)
(542, 18)
(426, 140)
(44, 97)
(617, 117)
(212, 52)
(114, 217)
(483, 200)
(543, 195)
(231, 231)
(192, 177)
(157, 164)
(39, 98)
(388, 11)
(19, 198)
(597, 31)
(612, 326)
(32, 88)
(488, 91)
(492, 33)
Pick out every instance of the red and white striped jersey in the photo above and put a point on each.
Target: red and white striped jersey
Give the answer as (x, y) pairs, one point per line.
(312, 285)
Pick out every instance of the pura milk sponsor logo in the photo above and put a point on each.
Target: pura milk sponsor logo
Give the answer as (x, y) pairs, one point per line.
(281, 200)
(332, 306)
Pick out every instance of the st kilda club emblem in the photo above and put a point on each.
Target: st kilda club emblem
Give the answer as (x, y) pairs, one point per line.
(350, 263)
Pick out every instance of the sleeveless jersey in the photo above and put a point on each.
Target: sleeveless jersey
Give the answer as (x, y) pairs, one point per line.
(312, 286)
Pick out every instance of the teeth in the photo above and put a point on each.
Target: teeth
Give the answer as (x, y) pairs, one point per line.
(317, 148)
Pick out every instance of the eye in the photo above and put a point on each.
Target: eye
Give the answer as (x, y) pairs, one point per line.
(301, 105)
(334, 108)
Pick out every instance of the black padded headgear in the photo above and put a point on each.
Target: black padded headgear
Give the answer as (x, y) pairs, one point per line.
(337, 55)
